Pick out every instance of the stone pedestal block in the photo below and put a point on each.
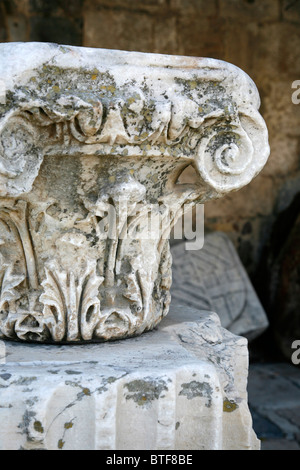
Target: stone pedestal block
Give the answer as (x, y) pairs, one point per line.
(181, 386)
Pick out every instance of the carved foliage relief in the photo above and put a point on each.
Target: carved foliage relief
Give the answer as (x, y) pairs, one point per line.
(88, 157)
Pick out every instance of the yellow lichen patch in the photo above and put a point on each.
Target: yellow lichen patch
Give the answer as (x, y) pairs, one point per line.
(68, 425)
(229, 406)
(144, 135)
(60, 444)
(142, 401)
(110, 88)
(56, 89)
(112, 179)
(38, 426)
(86, 391)
(94, 76)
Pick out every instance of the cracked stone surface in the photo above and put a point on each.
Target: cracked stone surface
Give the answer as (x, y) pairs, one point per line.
(181, 386)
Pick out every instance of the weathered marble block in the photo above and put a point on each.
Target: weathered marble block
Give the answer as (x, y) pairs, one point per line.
(179, 387)
(92, 143)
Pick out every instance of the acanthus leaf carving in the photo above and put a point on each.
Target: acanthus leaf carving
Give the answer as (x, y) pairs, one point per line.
(71, 304)
(8, 292)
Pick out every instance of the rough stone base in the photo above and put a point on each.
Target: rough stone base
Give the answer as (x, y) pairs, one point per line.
(181, 386)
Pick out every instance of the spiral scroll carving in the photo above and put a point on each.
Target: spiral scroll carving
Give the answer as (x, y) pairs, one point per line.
(229, 155)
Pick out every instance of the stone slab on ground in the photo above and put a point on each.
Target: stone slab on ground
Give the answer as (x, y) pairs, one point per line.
(274, 401)
(214, 278)
(181, 386)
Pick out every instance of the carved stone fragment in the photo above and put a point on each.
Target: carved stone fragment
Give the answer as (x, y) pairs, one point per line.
(214, 279)
(92, 143)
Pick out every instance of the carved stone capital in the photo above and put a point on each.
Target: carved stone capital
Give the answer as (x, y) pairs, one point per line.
(92, 142)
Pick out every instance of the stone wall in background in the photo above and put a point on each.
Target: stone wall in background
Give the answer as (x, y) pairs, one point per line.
(260, 36)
